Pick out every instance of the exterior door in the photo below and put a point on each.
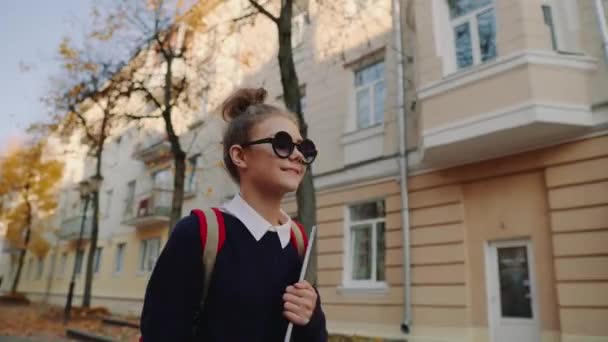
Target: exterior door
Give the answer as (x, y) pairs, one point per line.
(512, 304)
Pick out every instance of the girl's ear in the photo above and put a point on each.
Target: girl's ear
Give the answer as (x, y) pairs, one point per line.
(237, 154)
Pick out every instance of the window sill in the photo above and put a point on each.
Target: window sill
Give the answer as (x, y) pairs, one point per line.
(363, 134)
(364, 289)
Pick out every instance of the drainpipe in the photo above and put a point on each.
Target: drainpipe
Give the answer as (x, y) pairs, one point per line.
(405, 217)
(601, 20)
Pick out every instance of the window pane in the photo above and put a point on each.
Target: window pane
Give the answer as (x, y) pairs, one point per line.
(365, 211)
(361, 252)
(514, 282)
(486, 23)
(143, 254)
(380, 250)
(462, 7)
(120, 249)
(78, 261)
(97, 260)
(379, 98)
(363, 108)
(464, 52)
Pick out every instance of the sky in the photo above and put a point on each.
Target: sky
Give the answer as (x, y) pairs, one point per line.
(30, 31)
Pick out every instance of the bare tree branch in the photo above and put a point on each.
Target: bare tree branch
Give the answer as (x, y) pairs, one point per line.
(248, 15)
(83, 122)
(263, 10)
(140, 117)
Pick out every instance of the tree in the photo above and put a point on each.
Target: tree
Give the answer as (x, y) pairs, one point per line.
(305, 196)
(31, 183)
(163, 72)
(87, 102)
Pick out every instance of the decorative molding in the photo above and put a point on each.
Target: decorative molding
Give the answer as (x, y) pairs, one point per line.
(362, 134)
(503, 64)
(366, 171)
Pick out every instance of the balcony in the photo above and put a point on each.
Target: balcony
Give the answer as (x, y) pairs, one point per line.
(517, 102)
(153, 150)
(70, 228)
(150, 208)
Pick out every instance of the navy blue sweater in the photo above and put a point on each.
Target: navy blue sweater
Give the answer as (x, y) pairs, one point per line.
(244, 302)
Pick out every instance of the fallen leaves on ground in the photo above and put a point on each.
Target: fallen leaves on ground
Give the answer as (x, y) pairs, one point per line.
(44, 321)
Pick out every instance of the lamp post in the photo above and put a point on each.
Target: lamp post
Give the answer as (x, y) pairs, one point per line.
(84, 187)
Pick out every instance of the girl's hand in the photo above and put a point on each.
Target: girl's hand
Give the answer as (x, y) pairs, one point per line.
(300, 302)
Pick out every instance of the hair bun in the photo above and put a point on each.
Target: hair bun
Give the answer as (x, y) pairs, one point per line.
(237, 103)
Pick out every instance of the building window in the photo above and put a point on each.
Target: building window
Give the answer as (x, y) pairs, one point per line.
(148, 254)
(52, 263)
(97, 260)
(29, 268)
(473, 24)
(64, 261)
(299, 21)
(119, 260)
(162, 179)
(78, 261)
(40, 268)
(370, 95)
(108, 204)
(366, 247)
(129, 200)
(190, 186)
(548, 18)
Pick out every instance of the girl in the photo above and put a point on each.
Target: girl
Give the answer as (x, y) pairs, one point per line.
(254, 291)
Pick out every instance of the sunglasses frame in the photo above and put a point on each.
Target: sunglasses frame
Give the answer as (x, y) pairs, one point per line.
(294, 145)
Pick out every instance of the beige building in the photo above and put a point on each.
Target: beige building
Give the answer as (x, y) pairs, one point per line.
(496, 110)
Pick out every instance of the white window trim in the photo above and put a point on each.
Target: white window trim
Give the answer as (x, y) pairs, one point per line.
(348, 284)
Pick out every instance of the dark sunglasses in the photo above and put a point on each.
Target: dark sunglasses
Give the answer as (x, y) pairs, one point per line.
(283, 146)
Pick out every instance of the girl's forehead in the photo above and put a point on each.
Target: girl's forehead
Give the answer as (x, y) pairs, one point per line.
(274, 124)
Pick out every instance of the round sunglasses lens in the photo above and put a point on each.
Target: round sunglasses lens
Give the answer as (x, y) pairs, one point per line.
(283, 144)
(309, 150)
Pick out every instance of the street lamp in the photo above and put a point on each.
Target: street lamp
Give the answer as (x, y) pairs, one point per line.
(85, 188)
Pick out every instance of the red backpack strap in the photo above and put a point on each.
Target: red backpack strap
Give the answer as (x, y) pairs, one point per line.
(298, 238)
(213, 235)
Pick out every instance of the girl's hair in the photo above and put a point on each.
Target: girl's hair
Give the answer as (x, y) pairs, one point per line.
(243, 110)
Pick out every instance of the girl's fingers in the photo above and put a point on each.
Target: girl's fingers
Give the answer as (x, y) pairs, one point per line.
(295, 319)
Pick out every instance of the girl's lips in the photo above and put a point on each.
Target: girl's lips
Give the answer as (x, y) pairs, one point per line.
(296, 171)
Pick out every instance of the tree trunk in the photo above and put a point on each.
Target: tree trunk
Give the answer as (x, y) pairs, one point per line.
(179, 156)
(305, 195)
(88, 284)
(28, 231)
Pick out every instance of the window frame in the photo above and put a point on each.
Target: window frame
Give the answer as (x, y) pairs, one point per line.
(97, 260)
(471, 19)
(39, 267)
(370, 87)
(119, 261)
(78, 268)
(347, 273)
(130, 199)
(144, 251)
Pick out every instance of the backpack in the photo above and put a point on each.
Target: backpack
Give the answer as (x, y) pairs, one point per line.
(213, 235)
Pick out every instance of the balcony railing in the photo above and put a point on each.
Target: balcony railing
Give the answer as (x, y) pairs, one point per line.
(70, 227)
(149, 208)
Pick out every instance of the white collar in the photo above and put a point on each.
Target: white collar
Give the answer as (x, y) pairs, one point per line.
(255, 223)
